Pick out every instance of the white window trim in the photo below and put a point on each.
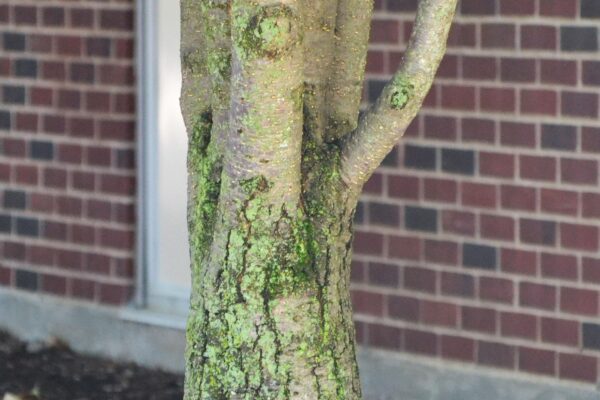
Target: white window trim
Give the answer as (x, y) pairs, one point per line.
(149, 293)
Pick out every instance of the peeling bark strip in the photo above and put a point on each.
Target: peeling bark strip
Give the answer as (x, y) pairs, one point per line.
(276, 163)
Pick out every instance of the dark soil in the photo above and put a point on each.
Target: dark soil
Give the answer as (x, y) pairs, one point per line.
(58, 373)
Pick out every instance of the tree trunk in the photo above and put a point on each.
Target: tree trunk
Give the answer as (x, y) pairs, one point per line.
(275, 172)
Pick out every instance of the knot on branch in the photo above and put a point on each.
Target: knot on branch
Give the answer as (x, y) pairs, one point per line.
(272, 32)
(402, 92)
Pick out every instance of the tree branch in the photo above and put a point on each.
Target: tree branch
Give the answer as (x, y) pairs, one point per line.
(319, 17)
(385, 123)
(266, 97)
(345, 85)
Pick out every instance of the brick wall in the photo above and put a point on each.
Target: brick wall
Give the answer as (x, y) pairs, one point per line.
(67, 127)
(478, 239)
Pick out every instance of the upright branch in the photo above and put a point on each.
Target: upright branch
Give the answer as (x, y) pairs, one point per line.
(385, 123)
(345, 85)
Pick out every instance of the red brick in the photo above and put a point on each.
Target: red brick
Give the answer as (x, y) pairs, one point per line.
(462, 35)
(117, 238)
(27, 122)
(537, 361)
(441, 252)
(496, 355)
(458, 97)
(454, 284)
(448, 67)
(41, 202)
(83, 289)
(559, 266)
(579, 301)
(478, 130)
(97, 101)
(420, 279)
(459, 222)
(478, 319)
(117, 184)
(14, 251)
(538, 168)
(577, 104)
(497, 164)
(498, 36)
(381, 274)
(457, 348)
(69, 259)
(70, 206)
(120, 20)
(537, 295)
(357, 271)
(56, 285)
(558, 8)
(404, 247)
(81, 127)
(98, 264)
(518, 325)
(114, 294)
(590, 138)
(26, 174)
(578, 367)
(442, 190)
(543, 102)
(560, 201)
(518, 198)
(40, 96)
(82, 234)
(563, 72)
(367, 302)
(517, 70)
(560, 331)
(591, 270)
(69, 45)
(404, 308)
(69, 99)
(41, 255)
(403, 187)
(386, 337)
(496, 290)
(40, 43)
(5, 276)
(375, 61)
(478, 195)
(579, 171)
(385, 31)
(517, 134)
(439, 313)
(498, 99)
(82, 17)
(117, 130)
(496, 227)
(99, 209)
(25, 15)
(539, 37)
(443, 128)
(579, 237)
(55, 231)
(55, 178)
(517, 7)
(420, 342)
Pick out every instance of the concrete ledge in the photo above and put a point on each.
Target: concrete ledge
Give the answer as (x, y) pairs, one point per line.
(97, 330)
(157, 340)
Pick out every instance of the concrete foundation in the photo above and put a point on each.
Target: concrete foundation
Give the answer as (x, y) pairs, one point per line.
(157, 340)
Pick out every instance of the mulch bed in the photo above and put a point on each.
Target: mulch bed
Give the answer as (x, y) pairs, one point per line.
(58, 373)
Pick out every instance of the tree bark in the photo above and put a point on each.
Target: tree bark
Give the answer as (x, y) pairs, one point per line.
(275, 172)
